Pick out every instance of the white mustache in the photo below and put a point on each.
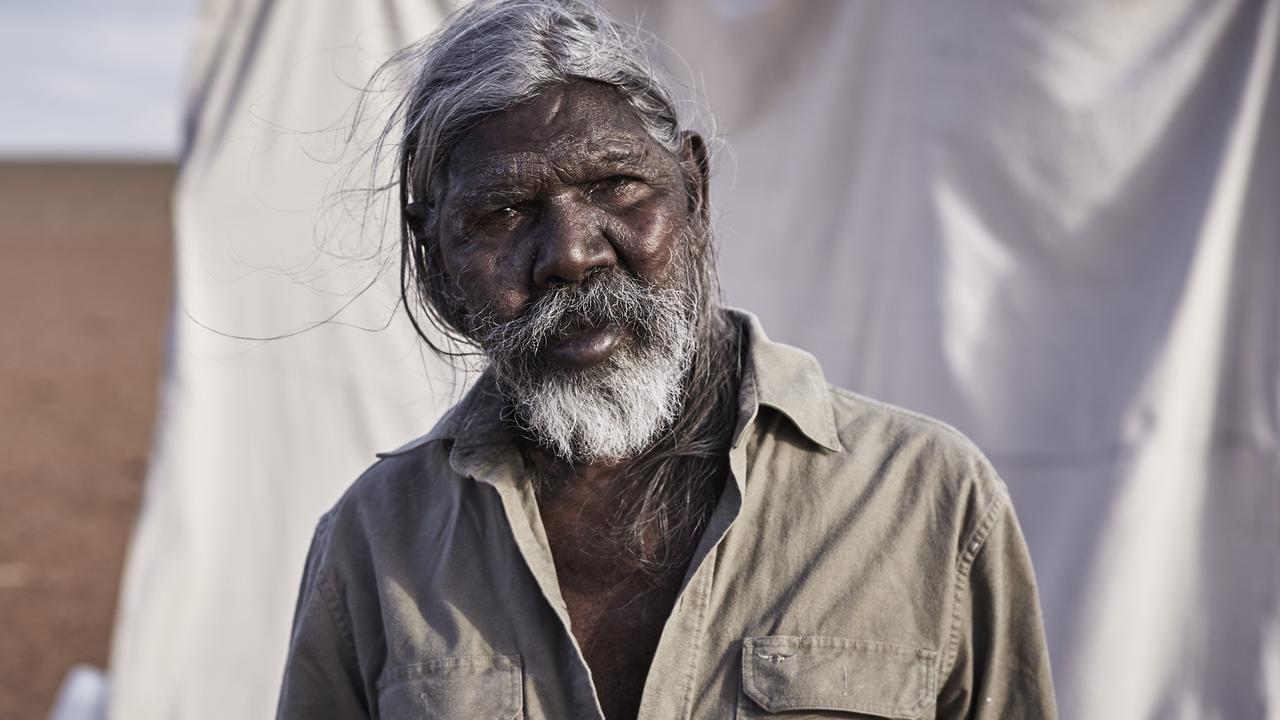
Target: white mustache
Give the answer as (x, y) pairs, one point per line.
(614, 298)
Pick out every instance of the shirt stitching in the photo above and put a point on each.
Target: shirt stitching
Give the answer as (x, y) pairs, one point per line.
(903, 412)
(972, 546)
(329, 595)
(703, 600)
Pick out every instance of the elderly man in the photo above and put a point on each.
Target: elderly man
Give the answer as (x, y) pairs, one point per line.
(644, 507)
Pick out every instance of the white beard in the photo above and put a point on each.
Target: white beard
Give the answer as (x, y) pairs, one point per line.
(608, 413)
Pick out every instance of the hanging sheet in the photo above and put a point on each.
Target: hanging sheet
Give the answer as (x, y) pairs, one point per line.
(257, 438)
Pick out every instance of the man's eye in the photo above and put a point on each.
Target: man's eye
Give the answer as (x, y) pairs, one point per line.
(616, 184)
(505, 214)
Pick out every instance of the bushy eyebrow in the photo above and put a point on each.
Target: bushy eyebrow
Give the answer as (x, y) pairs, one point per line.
(489, 196)
(614, 152)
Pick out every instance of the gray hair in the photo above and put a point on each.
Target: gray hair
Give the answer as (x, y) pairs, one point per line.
(495, 54)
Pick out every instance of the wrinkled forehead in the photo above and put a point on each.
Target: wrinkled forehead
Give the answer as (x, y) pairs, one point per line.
(566, 129)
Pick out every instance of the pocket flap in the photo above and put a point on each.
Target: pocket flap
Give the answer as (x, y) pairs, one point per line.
(786, 672)
(471, 686)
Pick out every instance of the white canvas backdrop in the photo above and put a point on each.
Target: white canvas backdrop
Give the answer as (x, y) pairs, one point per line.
(256, 439)
(1054, 225)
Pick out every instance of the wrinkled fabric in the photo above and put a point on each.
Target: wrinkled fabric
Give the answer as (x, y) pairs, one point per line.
(279, 383)
(863, 559)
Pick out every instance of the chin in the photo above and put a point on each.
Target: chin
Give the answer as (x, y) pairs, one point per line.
(612, 410)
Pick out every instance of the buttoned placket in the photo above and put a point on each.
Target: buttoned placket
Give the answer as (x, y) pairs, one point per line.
(682, 636)
(674, 662)
(680, 645)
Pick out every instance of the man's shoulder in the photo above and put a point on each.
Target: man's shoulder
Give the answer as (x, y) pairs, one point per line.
(413, 463)
(859, 417)
(417, 483)
(392, 480)
(858, 444)
(914, 456)
(402, 485)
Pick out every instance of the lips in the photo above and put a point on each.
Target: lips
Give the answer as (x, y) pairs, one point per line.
(585, 347)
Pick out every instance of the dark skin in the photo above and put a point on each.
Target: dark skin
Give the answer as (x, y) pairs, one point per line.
(548, 193)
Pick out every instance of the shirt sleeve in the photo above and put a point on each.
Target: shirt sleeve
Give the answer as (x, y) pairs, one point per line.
(1000, 663)
(322, 676)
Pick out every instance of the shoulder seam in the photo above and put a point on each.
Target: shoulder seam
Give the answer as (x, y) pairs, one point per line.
(329, 593)
(972, 546)
(407, 447)
(901, 411)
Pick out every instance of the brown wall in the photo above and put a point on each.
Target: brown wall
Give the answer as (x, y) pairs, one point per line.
(85, 283)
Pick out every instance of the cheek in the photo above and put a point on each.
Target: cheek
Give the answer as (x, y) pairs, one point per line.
(649, 241)
(490, 282)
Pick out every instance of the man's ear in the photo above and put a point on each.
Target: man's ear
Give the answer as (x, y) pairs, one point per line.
(418, 215)
(424, 225)
(697, 169)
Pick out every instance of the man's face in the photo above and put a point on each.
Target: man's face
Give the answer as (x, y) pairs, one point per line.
(565, 229)
(552, 192)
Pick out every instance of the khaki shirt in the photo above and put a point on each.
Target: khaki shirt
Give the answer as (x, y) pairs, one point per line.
(862, 560)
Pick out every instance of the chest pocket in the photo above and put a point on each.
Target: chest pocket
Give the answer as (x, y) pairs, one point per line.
(835, 677)
(484, 687)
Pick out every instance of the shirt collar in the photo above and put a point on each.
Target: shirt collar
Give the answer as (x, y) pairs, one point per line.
(777, 376)
(788, 380)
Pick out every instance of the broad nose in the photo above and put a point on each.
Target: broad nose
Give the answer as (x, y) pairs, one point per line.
(572, 246)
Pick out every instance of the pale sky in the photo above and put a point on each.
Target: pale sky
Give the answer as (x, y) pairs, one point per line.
(86, 78)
